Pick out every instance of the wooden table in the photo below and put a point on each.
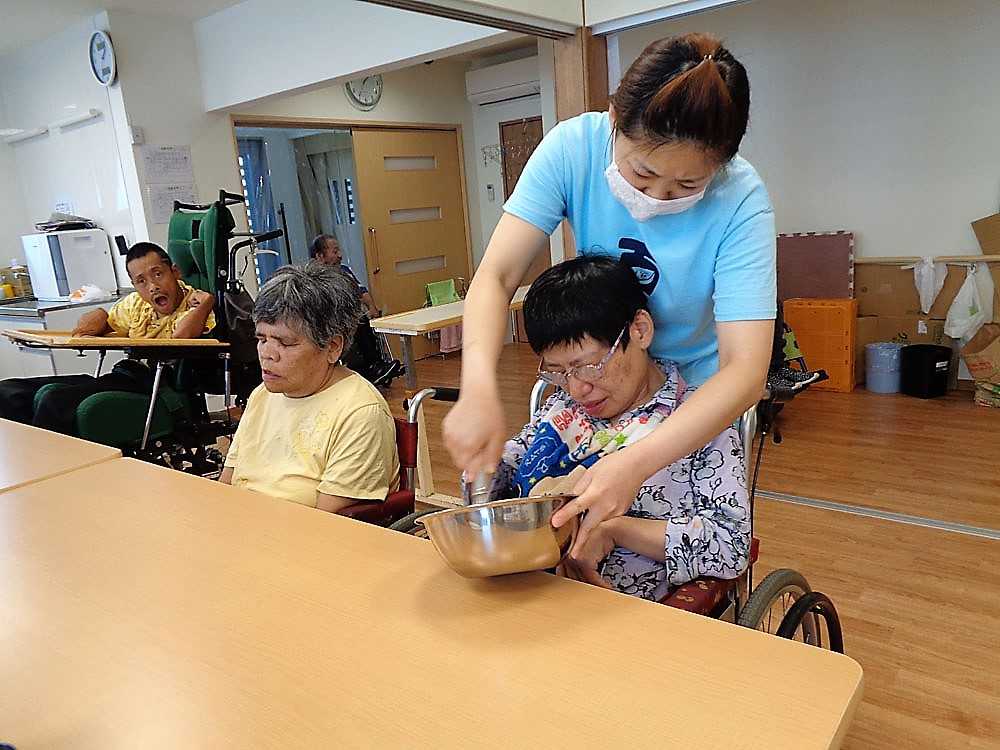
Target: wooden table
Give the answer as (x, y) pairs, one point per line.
(426, 320)
(149, 608)
(30, 454)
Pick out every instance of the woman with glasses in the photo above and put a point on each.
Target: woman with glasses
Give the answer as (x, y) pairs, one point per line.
(589, 321)
(658, 182)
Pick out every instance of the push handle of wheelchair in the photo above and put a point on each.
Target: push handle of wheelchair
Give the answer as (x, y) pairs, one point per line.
(179, 206)
(228, 199)
(412, 405)
(256, 237)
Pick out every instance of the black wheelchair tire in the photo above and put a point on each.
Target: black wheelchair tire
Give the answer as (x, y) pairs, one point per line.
(775, 585)
(408, 524)
(819, 605)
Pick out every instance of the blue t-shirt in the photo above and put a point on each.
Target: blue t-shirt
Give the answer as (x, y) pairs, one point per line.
(713, 262)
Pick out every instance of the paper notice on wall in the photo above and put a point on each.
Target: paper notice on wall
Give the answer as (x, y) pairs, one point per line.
(162, 197)
(166, 165)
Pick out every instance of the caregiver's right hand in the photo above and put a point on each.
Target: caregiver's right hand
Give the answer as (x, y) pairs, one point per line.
(474, 432)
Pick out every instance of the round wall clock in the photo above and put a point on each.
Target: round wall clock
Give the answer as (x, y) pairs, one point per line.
(102, 58)
(364, 93)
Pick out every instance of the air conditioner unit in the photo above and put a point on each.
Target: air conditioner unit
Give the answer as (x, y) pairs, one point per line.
(501, 83)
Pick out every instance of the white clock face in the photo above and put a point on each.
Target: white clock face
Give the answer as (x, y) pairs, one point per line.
(364, 93)
(102, 58)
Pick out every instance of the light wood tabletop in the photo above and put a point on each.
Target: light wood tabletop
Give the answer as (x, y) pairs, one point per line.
(29, 454)
(428, 319)
(148, 608)
(66, 340)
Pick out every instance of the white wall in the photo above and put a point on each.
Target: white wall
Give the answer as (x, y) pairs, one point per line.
(486, 125)
(13, 218)
(880, 118)
(48, 81)
(311, 42)
(158, 74)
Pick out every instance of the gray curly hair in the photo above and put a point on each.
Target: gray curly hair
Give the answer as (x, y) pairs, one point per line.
(320, 300)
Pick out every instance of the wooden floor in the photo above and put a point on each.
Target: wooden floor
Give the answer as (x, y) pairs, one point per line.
(938, 458)
(920, 606)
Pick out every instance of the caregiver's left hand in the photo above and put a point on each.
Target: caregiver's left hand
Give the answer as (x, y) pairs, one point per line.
(607, 490)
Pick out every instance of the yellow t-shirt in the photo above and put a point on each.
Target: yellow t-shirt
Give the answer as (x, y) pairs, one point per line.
(137, 319)
(340, 441)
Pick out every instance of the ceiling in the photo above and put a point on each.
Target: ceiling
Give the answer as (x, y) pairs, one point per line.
(28, 21)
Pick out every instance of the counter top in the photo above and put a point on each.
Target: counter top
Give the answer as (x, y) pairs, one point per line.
(35, 308)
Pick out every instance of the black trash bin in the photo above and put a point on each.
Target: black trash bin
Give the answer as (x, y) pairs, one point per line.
(924, 370)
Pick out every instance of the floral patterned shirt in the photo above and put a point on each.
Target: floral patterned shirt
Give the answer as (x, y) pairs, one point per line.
(702, 497)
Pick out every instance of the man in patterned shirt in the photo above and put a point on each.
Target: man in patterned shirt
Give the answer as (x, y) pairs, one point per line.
(162, 306)
(588, 319)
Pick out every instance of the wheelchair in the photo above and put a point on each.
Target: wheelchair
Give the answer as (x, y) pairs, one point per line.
(173, 426)
(782, 604)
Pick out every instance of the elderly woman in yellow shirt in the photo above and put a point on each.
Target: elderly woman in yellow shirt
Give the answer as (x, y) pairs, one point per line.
(314, 432)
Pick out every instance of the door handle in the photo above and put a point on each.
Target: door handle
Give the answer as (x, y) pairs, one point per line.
(378, 263)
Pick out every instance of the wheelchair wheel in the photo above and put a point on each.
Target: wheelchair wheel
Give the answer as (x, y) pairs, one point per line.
(817, 608)
(769, 604)
(408, 524)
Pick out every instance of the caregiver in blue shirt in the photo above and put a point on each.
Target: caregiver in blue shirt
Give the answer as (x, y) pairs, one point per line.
(657, 182)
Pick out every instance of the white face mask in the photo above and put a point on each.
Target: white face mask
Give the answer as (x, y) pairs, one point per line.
(641, 206)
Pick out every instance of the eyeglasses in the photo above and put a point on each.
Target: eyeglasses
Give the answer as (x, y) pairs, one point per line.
(586, 373)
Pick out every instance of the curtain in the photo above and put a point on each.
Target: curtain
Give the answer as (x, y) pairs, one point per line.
(323, 196)
(257, 184)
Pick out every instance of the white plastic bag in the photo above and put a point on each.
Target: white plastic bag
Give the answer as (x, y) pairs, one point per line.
(88, 293)
(973, 305)
(929, 277)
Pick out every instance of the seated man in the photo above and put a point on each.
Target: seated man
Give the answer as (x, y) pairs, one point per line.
(162, 306)
(588, 319)
(365, 356)
(314, 432)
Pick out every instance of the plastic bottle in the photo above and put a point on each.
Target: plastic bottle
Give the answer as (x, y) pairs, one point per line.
(20, 279)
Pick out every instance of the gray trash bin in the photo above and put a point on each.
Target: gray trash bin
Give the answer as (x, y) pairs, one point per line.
(882, 368)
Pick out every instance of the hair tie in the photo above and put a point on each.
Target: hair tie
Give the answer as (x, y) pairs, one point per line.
(708, 57)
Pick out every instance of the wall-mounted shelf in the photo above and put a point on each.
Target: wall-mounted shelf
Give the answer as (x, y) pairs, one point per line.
(75, 119)
(25, 135)
(907, 259)
(87, 114)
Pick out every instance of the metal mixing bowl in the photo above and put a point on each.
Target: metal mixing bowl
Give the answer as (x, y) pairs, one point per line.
(503, 536)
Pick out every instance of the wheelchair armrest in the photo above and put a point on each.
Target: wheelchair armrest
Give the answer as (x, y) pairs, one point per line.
(702, 595)
(393, 508)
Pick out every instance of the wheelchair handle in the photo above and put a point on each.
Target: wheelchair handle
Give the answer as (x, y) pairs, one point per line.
(272, 235)
(228, 199)
(179, 206)
(437, 394)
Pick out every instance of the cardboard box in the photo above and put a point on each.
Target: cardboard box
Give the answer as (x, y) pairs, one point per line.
(982, 354)
(911, 329)
(892, 291)
(866, 333)
(988, 233)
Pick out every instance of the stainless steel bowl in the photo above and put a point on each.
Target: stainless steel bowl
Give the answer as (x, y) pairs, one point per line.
(501, 537)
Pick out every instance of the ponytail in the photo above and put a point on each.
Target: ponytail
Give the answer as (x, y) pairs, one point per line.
(688, 88)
